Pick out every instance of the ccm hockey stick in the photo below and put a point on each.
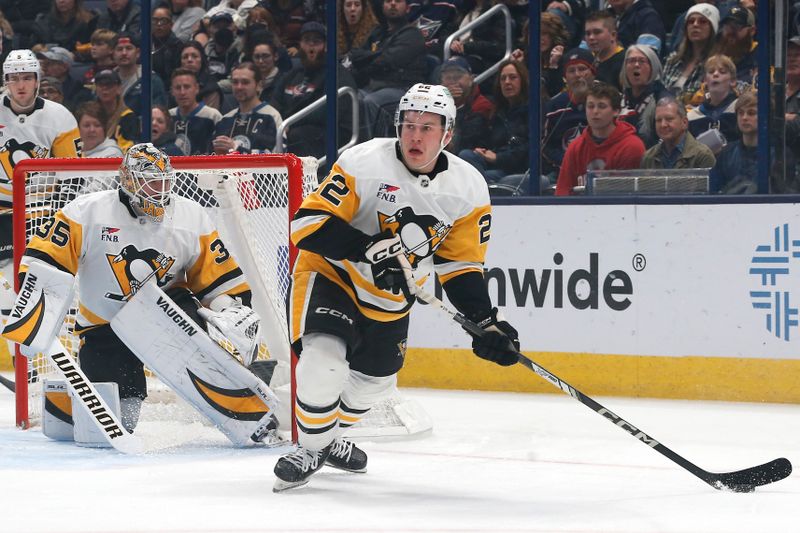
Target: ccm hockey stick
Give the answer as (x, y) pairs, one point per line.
(739, 481)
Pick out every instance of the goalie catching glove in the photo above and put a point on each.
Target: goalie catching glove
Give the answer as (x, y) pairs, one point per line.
(391, 269)
(228, 319)
(499, 342)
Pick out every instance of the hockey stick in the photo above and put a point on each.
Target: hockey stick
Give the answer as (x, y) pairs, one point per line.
(739, 481)
(7, 383)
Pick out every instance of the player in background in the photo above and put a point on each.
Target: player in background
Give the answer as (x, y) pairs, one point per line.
(391, 213)
(30, 126)
(119, 239)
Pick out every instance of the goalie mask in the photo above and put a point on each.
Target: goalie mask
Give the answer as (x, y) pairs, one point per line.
(146, 177)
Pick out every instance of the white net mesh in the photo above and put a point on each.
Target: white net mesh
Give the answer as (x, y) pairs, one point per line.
(250, 206)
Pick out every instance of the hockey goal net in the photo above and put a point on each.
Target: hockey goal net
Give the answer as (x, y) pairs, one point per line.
(251, 199)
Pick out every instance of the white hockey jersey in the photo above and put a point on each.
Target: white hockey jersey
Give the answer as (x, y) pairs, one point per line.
(447, 217)
(49, 130)
(97, 237)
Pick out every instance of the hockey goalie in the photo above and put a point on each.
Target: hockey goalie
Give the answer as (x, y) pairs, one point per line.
(158, 289)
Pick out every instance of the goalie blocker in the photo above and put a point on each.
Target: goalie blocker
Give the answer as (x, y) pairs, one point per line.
(181, 354)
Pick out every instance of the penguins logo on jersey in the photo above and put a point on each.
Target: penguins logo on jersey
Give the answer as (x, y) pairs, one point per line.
(132, 267)
(13, 151)
(421, 234)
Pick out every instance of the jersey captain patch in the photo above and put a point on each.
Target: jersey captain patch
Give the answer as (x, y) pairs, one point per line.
(421, 234)
(132, 267)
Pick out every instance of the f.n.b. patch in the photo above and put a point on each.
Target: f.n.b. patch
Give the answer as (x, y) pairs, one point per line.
(108, 234)
(387, 192)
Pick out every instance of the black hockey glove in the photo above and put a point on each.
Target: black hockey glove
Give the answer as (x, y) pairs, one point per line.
(391, 270)
(500, 341)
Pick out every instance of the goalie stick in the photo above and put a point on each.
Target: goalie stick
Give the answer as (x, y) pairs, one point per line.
(7, 383)
(745, 480)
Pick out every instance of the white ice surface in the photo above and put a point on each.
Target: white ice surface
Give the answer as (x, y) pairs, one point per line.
(494, 462)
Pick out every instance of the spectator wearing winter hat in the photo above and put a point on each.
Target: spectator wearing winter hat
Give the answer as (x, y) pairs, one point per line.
(679, 27)
(683, 70)
(473, 110)
(642, 88)
(565, 113)
(736, 40)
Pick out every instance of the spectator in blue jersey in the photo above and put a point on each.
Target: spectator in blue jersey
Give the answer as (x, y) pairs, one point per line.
(736, 169)
(193, 121)
(565, 113)
(303, 85)
(252, 126)
(717, 114)
(635, 17)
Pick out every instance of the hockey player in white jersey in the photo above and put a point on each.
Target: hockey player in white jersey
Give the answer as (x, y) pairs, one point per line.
(117, 240)
(391, 213)
(30, 126)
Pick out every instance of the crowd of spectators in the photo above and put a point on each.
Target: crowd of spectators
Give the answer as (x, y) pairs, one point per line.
(663, 79)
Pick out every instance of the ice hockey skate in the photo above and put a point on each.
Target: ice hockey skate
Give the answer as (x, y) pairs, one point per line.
(345, 455)
(294, 469)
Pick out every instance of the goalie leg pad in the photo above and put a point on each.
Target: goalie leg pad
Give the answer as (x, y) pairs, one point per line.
(184, 357)
(40, 307)
(57, 421)
(86, 432)
(361, 392)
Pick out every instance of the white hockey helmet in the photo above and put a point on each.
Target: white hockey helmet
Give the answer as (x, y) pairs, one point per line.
(431, 98)
(147, 176)
(19, 61)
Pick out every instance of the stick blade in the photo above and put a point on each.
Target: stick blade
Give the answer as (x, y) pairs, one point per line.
(748, 479)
